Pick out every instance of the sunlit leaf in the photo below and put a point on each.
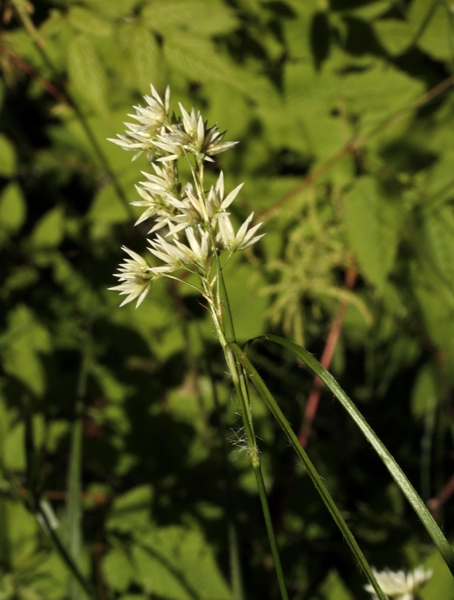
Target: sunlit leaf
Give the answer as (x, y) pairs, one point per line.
(86, 72)
(8, 162)
(27, 339)
(207, 18)
(12, 209)
(86, 21)
(373, 224)
(176, 562)
(146, 58)
(49, 231)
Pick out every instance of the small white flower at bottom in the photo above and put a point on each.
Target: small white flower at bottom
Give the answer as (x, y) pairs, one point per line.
(399, 584)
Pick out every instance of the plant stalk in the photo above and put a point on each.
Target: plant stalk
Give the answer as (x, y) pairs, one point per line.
(240, 383)
(316, 479)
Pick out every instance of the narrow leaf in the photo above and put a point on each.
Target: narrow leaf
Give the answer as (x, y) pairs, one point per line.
(312, 471)
(390, 463)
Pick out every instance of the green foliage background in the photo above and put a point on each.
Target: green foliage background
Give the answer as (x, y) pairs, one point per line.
(345, 112)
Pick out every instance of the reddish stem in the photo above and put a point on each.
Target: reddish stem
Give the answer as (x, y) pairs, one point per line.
(436, 504)
(284, 489)
(26, 68)
(327, 356)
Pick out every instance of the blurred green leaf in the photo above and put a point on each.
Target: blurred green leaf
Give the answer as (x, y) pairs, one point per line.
(86, 21)
(131, 511)
(146, 57)
(176, 563)
(8, 158)
(25, 340)
(433, 26)
(441, 584)
(438, 229)
(49, 230)
(426, 393)
(334, 587)
(106, 209)
(12, 209)
(206, 18)
(189, 53)
(395, 35)
(118, 570)
(373, 224)
(378, 90)
(86, 72)
(21, 533)
(243, 283)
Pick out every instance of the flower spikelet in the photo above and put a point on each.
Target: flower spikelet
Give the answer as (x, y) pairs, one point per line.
(151, 120)
(135, 275)
(190, 225)
(399, 585)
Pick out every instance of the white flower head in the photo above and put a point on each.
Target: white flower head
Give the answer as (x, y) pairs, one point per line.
(241, 240)
(399, 585)
(206, 142)
(172, 144)
(195, 220)
(213, 144)
(136, 276)
(151, 120)
(216, 204)
(177, 255)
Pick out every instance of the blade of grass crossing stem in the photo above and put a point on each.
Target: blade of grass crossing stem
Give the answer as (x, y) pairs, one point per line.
(312, 471)
(45, 519)
(396, 472)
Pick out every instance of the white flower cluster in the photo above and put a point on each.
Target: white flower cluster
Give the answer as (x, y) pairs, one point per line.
(399, 584)
(196, 220)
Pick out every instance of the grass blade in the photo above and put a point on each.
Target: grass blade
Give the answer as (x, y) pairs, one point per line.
(312, 471)
(396, 472)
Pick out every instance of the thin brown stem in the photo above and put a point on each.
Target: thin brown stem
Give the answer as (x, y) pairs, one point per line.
(284, 488)
(21, 64)
(353, 145)
(326, 358)
(436, 504)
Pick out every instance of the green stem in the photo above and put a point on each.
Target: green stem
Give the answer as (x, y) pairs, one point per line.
(243, 397)
(74, 508)
(236, 577)
(316, 479)
(240, 383)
